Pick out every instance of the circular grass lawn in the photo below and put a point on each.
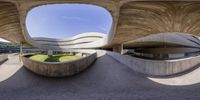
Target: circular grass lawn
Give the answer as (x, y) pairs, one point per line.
(53, 58)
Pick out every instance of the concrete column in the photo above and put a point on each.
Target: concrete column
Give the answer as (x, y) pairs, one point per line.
(50, 52)
(21, 52)
(118, 48)
(21, 49)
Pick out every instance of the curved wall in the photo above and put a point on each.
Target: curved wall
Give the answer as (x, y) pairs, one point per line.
(60, 69)
(157, 67)
(172, 38)
(84, 40)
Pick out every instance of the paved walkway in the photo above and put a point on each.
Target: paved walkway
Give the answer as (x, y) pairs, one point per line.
(188, 78)
(106, 79)
(10, 67)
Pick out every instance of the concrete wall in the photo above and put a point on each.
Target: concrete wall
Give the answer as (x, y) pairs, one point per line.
(83, 40)
(118, 48)
(156, 67)
(3, 57)
(60, 69)
(169, 38)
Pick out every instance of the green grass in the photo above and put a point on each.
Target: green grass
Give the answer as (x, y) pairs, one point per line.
(39, 57)
(54, 58)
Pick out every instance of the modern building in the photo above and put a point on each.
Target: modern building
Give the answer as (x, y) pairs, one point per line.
(158, 40)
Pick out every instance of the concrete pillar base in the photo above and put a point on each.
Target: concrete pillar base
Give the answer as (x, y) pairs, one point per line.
(118, 48)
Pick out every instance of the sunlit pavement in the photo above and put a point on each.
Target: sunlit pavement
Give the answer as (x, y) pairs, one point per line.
(106, 79)
(188, 78)
(10, 67)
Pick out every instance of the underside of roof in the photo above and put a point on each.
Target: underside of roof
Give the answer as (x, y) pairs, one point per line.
(131, 19)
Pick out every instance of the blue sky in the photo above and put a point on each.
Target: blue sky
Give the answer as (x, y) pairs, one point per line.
(67, 20)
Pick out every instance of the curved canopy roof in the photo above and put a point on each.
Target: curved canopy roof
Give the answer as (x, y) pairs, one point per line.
(131, 19)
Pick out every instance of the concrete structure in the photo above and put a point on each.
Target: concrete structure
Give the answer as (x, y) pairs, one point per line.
(84, 40)
(168, 38)
(136, 24)
(157, 67)
(106, 79)
(118, 48)
(10, 67)
(60, 69)
(3, 58)
(134, 19)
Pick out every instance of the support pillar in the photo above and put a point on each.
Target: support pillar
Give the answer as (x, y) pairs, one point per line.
(21, 52)
(50, 52)
(118, 48)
